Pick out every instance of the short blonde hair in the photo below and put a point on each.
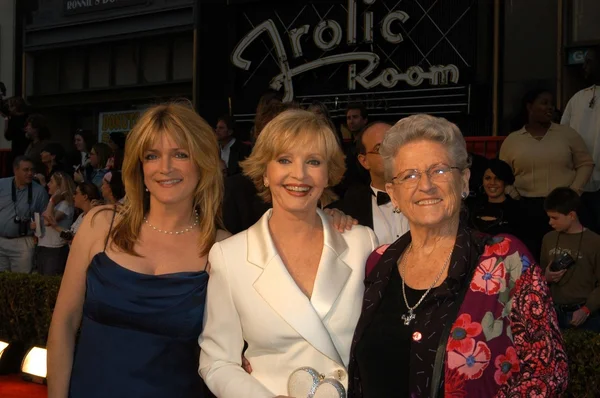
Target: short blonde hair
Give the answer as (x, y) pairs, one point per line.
(423, 127)
(291, 129)
(189, 131)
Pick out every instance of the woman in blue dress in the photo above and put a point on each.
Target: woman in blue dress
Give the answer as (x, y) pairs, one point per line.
(135, 280)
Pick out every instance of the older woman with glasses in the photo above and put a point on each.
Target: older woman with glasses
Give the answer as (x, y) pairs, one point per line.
(447, 312)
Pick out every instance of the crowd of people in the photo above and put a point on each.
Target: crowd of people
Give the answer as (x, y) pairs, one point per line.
(297, 263)
(51, 188)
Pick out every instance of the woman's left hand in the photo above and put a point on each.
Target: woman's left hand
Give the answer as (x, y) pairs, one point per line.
(341, 221)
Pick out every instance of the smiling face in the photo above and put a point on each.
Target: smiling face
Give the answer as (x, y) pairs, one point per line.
(493, 186)
(170, 175)
(541, 110)
(297, 178)
(426, 202)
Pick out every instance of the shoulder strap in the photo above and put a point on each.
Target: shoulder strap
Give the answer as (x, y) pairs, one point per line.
(112, 220)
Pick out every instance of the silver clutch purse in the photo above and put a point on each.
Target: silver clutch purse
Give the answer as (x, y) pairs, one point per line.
(306, 382)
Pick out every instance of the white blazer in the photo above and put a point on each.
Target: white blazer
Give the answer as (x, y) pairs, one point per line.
(252, 297)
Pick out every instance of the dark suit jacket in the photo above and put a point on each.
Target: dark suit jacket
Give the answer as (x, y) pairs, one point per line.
(357, 204)
(242, 207)
(239, 151)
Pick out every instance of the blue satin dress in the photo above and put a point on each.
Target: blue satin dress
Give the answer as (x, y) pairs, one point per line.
(139, 334)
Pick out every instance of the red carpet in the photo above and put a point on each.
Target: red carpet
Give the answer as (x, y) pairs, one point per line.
(13, 386)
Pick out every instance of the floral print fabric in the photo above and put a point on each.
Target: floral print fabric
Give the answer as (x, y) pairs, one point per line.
(505, 341)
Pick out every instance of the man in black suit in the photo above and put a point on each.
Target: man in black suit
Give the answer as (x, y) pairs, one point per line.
(233, 151)
(371, 205)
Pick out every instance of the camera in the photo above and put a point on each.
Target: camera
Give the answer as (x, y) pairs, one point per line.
(67, 235)
(564, 261)
(23, 226)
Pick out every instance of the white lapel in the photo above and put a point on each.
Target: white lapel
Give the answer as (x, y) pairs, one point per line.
(276, 286)
(333, 273)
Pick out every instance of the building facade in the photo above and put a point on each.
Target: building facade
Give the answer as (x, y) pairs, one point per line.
(97, 64)
(94, 63)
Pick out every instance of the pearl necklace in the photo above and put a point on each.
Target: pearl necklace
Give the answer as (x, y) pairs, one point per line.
(174, 232)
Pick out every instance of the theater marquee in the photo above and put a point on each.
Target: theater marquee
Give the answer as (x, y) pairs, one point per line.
(375, 50)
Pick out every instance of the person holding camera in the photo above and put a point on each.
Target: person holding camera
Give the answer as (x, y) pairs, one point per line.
(52, 251)
(20, 198)
(572, 255)
(87, 196)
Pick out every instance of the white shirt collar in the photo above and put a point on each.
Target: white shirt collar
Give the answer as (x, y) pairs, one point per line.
(228, 145)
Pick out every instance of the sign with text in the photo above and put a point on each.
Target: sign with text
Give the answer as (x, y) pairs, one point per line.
(116, 122)
(83, 6)
(400, 57)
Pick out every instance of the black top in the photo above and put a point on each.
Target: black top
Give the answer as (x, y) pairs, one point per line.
(384, 350)
(415, 371)
(496, 218)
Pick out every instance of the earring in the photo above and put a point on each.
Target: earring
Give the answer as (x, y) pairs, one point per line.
(396, 210)
(464, 195)
(266, 184)
(147, 190)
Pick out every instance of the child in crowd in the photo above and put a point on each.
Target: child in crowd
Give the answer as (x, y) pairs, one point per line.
(571, 255)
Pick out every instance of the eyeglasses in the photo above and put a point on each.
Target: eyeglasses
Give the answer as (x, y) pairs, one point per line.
(375, 150)
(437, 173)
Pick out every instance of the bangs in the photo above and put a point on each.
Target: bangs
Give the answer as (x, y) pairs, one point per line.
(153, 135)
(304, 138)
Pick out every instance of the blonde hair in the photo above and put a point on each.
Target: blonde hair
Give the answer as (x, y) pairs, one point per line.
(65, 184)
(292, 129)
(189, 131)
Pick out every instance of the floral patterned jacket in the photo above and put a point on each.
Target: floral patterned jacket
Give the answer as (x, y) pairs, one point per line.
(505, 341)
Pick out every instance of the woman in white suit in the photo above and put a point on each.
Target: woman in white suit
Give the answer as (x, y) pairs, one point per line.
(291, 285)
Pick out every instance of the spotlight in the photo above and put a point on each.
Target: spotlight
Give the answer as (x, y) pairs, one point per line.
(3, 345)
(34, 365)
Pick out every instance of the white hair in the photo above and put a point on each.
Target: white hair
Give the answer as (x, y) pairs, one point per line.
(428, 128)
